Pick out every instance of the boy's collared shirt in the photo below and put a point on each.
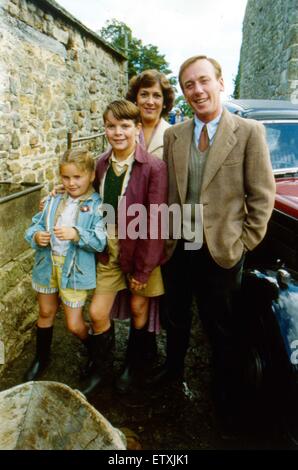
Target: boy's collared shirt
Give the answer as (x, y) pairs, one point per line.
(119, 167)
(122, 165)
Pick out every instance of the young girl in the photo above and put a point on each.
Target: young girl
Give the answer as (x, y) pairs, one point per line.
(65, 235)
(126, 175)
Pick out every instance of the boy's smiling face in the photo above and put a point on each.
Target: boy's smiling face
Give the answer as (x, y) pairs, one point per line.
(122, 135)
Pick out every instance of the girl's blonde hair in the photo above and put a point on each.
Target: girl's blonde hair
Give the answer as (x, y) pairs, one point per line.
(80, 157)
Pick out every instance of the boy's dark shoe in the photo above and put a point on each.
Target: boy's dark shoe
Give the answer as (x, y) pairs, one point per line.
(140, 354)
(127, 380)
(101, 360)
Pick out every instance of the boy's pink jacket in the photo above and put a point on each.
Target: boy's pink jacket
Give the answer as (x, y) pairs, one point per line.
(148, 185)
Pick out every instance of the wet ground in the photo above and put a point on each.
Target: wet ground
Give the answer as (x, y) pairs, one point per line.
(172, 418)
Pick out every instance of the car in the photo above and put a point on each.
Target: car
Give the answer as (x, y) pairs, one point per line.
(268, 324)
(280, 119)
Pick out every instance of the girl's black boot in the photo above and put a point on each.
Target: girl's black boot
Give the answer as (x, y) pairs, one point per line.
(42, 356)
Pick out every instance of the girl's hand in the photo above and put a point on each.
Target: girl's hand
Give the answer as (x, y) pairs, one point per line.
(65, 233)
(42, 238)
(136, 285)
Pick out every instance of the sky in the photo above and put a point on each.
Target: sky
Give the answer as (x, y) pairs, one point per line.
(180, 29)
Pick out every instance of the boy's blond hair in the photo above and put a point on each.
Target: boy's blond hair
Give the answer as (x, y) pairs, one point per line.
(123, 109)
(80, 157)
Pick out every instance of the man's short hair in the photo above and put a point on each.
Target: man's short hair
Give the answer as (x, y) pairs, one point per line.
(191, 60)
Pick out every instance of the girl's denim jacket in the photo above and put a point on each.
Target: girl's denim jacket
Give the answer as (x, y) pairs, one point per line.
(79, 269)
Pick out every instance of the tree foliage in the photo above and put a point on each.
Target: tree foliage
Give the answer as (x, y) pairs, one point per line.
(183, 106)
(236, 92)
(140, 57)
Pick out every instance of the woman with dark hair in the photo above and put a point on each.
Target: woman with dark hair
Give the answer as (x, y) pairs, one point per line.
(152, 92)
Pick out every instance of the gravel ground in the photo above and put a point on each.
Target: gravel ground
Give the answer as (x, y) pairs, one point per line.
(172, 418)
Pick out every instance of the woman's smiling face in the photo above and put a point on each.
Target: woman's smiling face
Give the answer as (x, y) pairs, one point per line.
(150, 103)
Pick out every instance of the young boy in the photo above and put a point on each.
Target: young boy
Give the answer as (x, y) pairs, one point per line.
(126, 175)
(65, 235)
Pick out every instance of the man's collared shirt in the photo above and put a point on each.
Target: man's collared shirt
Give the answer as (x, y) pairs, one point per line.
(211, 128)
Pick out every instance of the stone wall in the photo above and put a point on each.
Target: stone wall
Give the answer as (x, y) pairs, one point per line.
(269, 52)
(55, 76)
(18, 306)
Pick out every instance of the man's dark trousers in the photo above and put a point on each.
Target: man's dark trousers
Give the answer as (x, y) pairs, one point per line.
(194, 273)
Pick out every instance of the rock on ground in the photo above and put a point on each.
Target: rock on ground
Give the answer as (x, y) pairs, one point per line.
(174, 417)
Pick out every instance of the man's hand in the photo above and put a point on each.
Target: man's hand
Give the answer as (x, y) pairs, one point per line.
(42, 238)
(136, 285)
(65, 233)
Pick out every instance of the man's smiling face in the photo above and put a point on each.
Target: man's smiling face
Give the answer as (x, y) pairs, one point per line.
(202, 89)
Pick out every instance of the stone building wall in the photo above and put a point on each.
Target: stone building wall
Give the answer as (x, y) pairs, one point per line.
(55, 76)
(269, 52)
(18, 307)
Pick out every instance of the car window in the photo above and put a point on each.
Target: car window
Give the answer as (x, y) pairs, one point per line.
(283, 144)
